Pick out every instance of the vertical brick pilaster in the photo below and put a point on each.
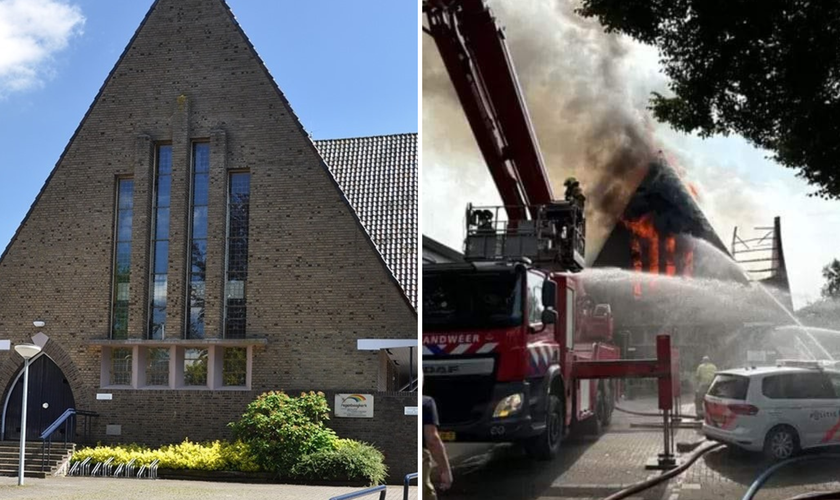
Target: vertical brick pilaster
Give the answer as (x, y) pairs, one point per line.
(216, 225)
(141, 236)
(179, 221)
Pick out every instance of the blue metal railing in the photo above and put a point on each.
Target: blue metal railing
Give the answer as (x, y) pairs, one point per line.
(363, 493)
(68, 413)
(406, 482)
(68, 420)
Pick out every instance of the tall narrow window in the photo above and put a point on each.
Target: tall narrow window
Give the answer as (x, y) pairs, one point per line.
(160, 242)
(198, 240)
(122, 258)
(237, 254)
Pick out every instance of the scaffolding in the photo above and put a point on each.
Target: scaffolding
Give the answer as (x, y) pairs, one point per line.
(762, 258)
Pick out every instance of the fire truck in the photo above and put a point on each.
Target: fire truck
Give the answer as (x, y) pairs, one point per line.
(502, 333)
(507, 332)
(513, 347)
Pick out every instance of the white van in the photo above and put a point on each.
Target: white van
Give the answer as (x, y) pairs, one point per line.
(778, 410)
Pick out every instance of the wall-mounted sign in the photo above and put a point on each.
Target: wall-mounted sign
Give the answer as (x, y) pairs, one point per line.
(104, 397)
(5, 345)
(354, 405)
(411, 410)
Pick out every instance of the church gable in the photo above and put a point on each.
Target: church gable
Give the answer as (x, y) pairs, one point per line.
(188, 107)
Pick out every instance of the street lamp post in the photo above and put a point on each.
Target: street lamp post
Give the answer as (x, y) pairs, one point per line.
(27, 351)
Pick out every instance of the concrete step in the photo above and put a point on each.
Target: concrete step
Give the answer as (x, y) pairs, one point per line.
(32, 453)
(16, 444)
(27, 473)
(33, 462)
(10, 454)
(32, 456)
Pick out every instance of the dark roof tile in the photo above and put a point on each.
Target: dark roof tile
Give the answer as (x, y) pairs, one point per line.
(378, 175)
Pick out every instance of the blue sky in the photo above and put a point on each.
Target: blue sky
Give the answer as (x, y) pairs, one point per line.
(347, 68)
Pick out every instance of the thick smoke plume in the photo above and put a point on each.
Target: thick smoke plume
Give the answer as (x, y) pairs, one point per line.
(589, 119)
(587, 94)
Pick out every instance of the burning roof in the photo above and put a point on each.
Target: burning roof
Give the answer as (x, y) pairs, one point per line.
(663, 231)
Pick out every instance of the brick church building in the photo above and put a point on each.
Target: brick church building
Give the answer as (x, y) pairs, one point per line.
(193, 248)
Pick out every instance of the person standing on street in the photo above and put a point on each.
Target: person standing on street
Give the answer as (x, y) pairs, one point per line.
(702, 381)
(434, 453)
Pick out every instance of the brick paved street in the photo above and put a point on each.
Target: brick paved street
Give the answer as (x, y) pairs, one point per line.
(595, 468)
(86, 488)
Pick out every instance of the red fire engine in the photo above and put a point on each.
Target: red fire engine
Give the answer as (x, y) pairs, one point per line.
(513, 348)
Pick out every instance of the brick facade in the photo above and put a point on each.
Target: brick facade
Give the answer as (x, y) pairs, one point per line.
(315, 284)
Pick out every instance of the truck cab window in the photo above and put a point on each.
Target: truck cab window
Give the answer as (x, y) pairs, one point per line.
(535, 305)
(481, 299)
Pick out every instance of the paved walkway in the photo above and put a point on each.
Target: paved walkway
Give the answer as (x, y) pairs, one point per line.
(87, 488)
(589, 468)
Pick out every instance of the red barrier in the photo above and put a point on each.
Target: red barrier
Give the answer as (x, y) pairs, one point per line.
(666, 385)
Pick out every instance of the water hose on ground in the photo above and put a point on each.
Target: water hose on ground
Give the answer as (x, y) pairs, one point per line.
(650, 483)
(822, 495)
(658, 415)
(761, 479)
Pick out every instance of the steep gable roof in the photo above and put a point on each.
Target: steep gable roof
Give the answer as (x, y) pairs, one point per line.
(663, 200)
(187, 40)
(378, 175)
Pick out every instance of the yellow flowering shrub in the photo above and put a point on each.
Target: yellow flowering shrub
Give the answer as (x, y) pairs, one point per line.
(212, 456)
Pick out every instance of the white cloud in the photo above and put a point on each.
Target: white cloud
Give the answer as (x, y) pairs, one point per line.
(31, 33)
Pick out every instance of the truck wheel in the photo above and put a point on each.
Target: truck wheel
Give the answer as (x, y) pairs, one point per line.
(781, 443)
(546, 445)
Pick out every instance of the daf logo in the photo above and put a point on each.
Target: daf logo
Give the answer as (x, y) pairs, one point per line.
(458, 368)
(441, 369)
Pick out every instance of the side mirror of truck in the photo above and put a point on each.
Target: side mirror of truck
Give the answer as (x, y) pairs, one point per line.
(549, 294)
(549, 316)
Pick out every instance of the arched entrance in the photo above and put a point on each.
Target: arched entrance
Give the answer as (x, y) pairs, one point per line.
(49, 396)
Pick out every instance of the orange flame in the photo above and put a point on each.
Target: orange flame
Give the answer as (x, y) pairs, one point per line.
(688, 262)
(693, 190)
(643, 228)
(636, 255)
(645, 249)
(670, 251)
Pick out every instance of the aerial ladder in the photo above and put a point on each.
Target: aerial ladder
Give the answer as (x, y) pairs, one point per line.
(533, 222)
(500, 375)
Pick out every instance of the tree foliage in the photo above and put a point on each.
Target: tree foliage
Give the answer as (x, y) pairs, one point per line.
(769, 71)
(831, 273)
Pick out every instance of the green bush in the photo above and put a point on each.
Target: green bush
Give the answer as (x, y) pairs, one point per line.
(212, 456)
(278, 433)
(280, 429)
(349, 461)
